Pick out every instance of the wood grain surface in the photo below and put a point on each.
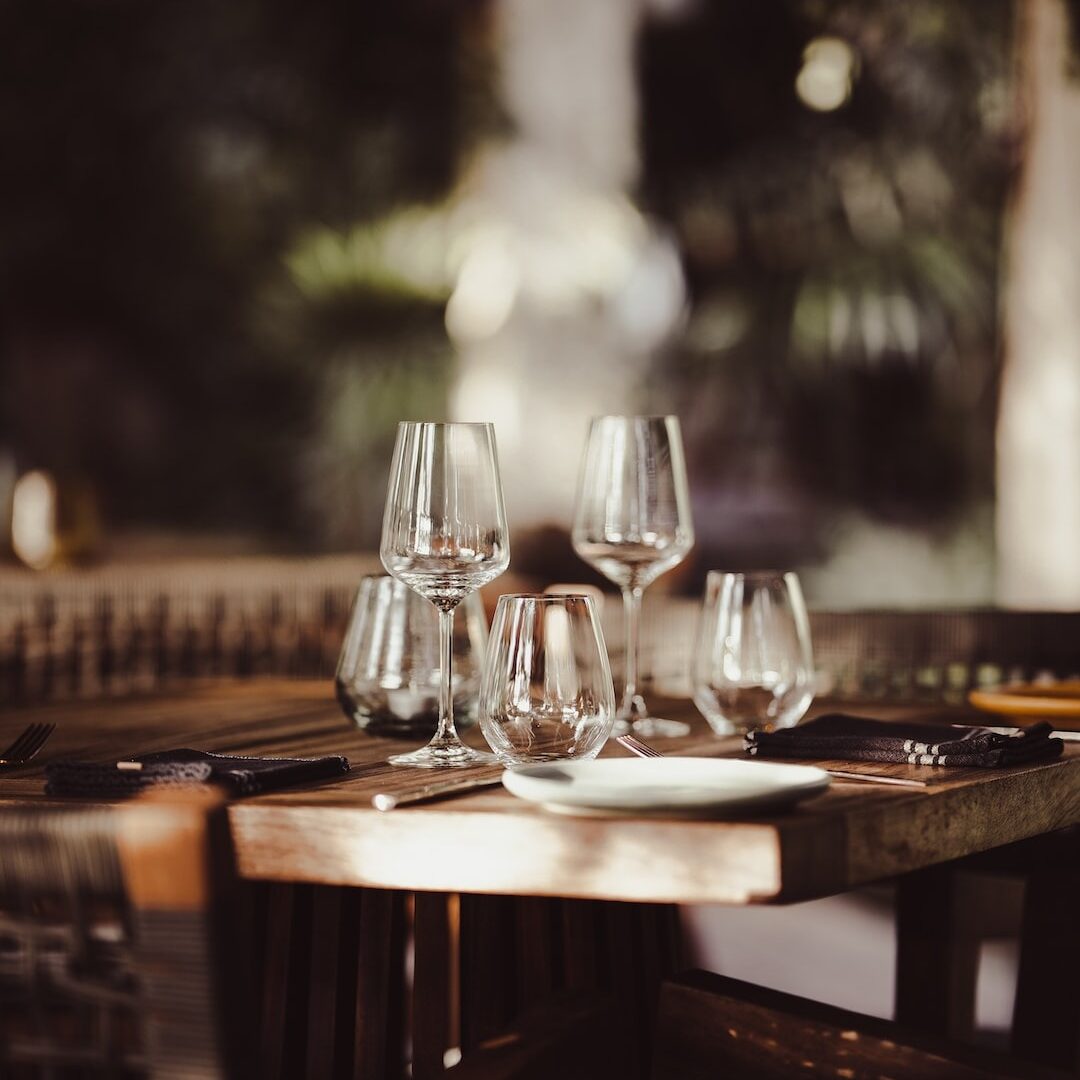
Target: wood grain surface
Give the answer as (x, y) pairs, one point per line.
(710, 1026)
(490, 842)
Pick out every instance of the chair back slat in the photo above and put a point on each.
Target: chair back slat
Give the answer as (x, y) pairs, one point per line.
(114, 953)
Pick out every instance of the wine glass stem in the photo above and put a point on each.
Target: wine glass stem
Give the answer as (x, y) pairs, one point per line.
(446, 731)
(632, 607)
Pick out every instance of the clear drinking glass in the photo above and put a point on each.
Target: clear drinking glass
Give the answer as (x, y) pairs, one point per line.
(546, 689)
(444, 535)
(390, 667)
(632, 523)
(753, 662)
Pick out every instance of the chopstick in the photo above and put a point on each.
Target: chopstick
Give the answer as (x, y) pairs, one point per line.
(441, 789)
(878, 778)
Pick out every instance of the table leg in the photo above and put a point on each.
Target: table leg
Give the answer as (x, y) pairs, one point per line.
(937, 953)
(1046, 1018)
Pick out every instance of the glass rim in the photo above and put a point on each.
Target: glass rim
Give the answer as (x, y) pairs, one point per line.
(633, 416)
(446, 423)
(752, 574)
(548, 598)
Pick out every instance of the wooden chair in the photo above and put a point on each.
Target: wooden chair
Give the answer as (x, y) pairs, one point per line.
(943, 915)
(117, 957)
(709, 1026)
(107, 634)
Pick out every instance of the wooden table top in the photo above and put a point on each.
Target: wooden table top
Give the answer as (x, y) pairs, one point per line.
(490, 842)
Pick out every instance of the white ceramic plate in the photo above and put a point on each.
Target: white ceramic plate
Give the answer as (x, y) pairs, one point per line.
(666, 784)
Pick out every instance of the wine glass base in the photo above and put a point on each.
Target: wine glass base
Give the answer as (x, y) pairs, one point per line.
(454, 756)
(652, 727)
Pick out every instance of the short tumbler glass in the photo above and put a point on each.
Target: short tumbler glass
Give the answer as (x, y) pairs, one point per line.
(387, 677)
(753, 662)
(546, 691)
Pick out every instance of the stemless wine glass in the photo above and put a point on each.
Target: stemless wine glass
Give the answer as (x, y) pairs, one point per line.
(444, 535)
(753, 663)
(632, 523)
(546, 690)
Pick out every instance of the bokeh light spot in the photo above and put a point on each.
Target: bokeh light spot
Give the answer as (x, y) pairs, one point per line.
(33, 519)
(824, 81)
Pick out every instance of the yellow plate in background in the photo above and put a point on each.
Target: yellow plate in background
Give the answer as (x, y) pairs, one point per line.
(1058, 701)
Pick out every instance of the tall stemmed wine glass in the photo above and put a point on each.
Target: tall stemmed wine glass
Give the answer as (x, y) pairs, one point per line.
(632, 523)
(444, 535)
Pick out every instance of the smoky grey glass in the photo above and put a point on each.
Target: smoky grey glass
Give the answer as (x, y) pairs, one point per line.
(388, 673)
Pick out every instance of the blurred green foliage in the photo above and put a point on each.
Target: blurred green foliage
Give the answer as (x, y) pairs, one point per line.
(161, 163)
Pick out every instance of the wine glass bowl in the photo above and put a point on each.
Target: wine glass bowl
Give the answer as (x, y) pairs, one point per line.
(444, 529)
(632, 519)
(753, 660)
(632, 523)
(546, 690)
(444, 535)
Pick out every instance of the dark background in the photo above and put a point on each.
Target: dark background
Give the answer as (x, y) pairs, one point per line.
(163, 347)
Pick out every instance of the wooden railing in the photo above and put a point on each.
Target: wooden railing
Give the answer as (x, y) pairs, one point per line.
(107, 633)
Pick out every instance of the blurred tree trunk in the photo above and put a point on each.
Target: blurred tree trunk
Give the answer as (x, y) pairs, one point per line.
(1038, 439)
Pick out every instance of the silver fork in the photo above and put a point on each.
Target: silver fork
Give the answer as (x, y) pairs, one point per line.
(32, 739)
(636, 746)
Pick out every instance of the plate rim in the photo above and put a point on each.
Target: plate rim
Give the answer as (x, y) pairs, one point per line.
(816, 781)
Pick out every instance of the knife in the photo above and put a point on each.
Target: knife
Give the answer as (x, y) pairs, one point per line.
(877, 778)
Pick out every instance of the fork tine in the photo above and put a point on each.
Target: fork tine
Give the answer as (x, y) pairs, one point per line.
(40, 739)
(12, 752)
(636, 746)
(27, 744)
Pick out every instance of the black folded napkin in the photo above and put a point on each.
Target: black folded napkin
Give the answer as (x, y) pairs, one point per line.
(855, 738)
(238, 775)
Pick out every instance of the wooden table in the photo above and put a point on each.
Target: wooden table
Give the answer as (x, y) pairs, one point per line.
(490, 842)
(427, 869)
